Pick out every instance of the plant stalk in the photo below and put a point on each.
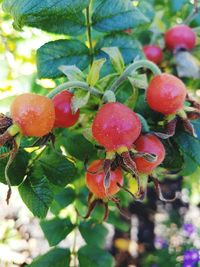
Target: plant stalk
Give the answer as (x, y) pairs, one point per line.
(89, 32)
(133, 67)
(74, 84)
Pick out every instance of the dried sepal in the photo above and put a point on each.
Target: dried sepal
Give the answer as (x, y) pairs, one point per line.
(159, 190)
(107, 169)
(130, 166)
(169, 129)
(188, 127)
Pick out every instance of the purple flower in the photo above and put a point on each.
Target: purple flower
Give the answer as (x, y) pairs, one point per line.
(195, 255)
(185, 264)
(189, 229)
(187, 256)
(160, 242)
(190, 257)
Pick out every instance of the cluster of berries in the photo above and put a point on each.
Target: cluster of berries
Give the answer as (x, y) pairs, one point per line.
(179, 37)
(118, 129)
(115, 127)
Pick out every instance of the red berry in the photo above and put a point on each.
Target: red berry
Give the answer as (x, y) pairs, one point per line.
(180, 36)
(150, 144)
(166, 94)
(64, 116)
(153, 53)
(34, 114)
(95, 182)
(115, 126)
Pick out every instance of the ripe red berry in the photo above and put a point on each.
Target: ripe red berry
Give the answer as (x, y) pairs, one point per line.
(180, 36)
(34, 114)
(150, 144)
(95, 182)
(153, 53)
(115, 126)
(166, 94)
(64, 116)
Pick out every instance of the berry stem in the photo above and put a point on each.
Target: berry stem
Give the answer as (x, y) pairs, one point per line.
(13, 130)
(74, 84)
(132, 68)
(89, 33)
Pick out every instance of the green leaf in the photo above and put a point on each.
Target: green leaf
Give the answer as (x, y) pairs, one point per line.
(56, 230)
(189, 145)
(106, 81)
(146, 9)
(65, 197)
(132, 99)
(93, 75)
(77, 146)
(126, 94)
(139, 80)
(190, 148)
(43, 14)
(87, 133)
(118, 15)
(54, 54)
(57, 257)
(177, 5)
(62, 199)
(17, 169)
(187, 65)
(173, 159)
(189, 166)
(79, 101)
(143, 108)
(92, 256)
(128, 47)
(136, 81)
(57, 168)
(90, 230)
(118, 223)
(115, 58)
(36, 193)
(72, 72)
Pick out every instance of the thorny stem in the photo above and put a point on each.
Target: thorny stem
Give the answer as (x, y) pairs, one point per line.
(89, 33)
(133, 67)
(74, 84)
